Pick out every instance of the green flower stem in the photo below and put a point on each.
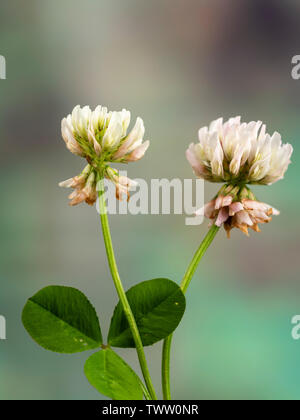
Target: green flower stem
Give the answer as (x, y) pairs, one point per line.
(197, 257)
(184, 285)
(145, 390)
(120, 290)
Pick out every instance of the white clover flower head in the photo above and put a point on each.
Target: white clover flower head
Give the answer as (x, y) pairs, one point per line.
(101, 138)
(236, 152)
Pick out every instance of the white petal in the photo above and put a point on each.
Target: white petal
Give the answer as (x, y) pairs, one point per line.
(125, 116)
(133, 140)
(94, 142)
(113, 132)
(216, 126)
(69, 139)
(217, 159)
(67, 183)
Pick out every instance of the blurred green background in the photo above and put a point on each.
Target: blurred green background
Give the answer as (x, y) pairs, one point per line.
(178, 64)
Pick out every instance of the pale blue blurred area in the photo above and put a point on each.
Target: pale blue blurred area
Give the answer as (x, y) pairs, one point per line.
(178, 65)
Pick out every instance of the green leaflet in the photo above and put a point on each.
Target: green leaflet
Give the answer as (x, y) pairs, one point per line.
(157, 305)
(62, 319)
(112, 377)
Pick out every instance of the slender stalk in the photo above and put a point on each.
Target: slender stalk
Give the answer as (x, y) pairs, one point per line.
(184, 285)
(145, 390)
(120, 290)
(197, 257)
(165, 368)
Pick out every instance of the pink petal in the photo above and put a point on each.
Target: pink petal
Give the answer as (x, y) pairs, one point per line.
(138, 153)
(198, 168)
(275, 211)
(254, 205)
(222, 216)
(223, 201)
(257, 214)
(207, 210)
(235, 207)
(243, 218)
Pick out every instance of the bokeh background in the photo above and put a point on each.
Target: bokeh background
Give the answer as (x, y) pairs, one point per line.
(178, 64)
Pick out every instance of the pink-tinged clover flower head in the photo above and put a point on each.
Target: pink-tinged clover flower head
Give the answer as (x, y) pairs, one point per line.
(237, 208)
(101, 138)
(238, 154)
